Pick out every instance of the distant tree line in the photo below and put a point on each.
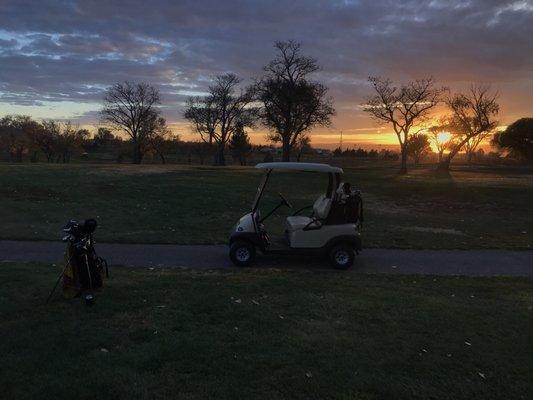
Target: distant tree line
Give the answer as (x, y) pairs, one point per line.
(24, 139)
(383, 154)
(21, 136)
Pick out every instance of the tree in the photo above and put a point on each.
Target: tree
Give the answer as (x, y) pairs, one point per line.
(404, 107)
(418, 146)
(47, 141)
(440, 137)
(103, 137)
(131, 107)
(14, 136)
(292, 103)
(68, 140)
(517, 139)
(472, 114)
(216, 116)
(162, 141)
(303, 145)
(239, 145)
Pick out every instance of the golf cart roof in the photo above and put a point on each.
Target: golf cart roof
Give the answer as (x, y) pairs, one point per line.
(300, 166)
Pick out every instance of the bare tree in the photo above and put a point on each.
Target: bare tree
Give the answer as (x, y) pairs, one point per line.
(216, 116)
(440, 137)
(128, 107)
(161, 139)
(69, 139)
(472, 114)
(47, 142)
(472, 144)
(292, 103)
(418, 147)
(303, 145)
(405, 107)
(202, 113)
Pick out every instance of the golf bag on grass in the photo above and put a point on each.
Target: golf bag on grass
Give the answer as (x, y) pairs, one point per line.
(83, 268)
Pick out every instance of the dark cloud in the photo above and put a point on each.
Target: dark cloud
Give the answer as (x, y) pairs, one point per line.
(72, 50)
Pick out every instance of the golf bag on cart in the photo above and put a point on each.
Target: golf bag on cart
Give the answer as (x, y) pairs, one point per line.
(347, 206)
(83, 268)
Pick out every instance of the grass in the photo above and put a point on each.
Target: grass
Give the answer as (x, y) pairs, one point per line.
(266, 335)
(182, 204)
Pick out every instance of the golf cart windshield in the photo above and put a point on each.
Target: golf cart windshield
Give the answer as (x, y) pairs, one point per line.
(294, 166)
(260, 190)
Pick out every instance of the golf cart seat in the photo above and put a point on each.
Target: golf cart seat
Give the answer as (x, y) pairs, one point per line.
(320, 211)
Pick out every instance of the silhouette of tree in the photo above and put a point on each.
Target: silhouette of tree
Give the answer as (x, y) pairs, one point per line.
(418, 146)
(16, 134)
(292, 104)
(404, 107)
(216, 116)
(239, 145)
(517, 138)
(130, 107)
(202, 113)
(161, 139)
(47, 141)
(472, 114)
(68, 139)
(303, 145)
(440, 136)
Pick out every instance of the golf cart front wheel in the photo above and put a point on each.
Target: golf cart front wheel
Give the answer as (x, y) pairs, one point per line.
(242, 253)
(341, 256)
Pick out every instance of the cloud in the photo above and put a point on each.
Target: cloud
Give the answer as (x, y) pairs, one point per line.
(70, 51)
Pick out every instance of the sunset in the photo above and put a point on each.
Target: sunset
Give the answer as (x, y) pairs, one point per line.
(251, 199)
(57, 58)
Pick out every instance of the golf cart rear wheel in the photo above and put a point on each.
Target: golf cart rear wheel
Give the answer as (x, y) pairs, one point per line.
(242, 253)
(341, 256)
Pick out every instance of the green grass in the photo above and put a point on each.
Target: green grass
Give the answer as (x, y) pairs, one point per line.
(268, 334)
(181, 204)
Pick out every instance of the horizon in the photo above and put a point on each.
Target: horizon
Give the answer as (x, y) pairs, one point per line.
(58, 59)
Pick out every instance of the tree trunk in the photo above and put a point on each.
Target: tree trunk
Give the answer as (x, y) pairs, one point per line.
(403, 165)
(219, 155)
(163, 160)
(137, 153)
(444, 165)
(286, 149)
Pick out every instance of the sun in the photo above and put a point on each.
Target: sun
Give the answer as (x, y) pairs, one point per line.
(443, 137)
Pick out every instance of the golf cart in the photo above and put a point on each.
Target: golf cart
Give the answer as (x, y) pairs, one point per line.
(332, 228)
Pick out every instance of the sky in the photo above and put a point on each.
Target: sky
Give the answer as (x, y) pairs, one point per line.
(58, 57)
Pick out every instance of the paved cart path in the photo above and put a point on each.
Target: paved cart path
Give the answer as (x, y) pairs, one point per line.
(434, 262)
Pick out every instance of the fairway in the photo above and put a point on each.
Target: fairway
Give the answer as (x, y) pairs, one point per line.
(193, 205)
(156, 333)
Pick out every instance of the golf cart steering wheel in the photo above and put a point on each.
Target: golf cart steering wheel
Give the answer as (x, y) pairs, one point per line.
(285, 201)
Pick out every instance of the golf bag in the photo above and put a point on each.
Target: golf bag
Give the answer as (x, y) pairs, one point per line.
(83, 268)
(347, 206)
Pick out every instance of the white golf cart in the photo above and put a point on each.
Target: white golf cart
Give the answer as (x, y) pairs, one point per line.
(332, 228)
